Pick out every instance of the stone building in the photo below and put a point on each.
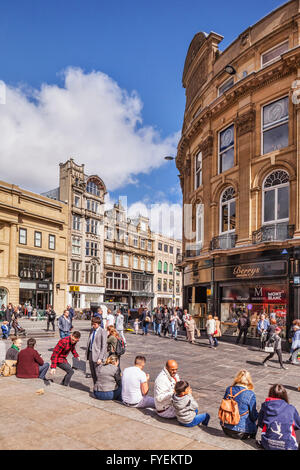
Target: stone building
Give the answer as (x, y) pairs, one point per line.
(33, 249)
(167, 278)
(84, 196)
(128, 259)
(239, 163)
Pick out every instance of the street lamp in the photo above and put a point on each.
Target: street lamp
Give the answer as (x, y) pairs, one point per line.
(230, 69)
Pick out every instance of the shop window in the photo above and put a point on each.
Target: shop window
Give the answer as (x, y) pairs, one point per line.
(274, 53)
(276, 197)
(275, 125)
(226, 149)
(228, 213)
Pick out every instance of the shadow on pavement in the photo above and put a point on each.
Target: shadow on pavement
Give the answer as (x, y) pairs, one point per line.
(79, 386)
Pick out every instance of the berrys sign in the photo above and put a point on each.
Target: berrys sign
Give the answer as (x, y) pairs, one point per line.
(258, 294)
(251, 271)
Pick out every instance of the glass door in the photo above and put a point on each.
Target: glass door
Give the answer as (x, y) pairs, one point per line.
(42, 300)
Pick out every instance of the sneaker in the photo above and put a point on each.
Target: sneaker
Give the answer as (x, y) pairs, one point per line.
(282, 367)
(264, 364)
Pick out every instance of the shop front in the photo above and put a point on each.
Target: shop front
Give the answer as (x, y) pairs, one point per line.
(36, 281)
(88, 297)
(254, 288)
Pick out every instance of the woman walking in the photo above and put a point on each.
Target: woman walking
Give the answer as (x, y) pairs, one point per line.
(175, 322)
(276, 344)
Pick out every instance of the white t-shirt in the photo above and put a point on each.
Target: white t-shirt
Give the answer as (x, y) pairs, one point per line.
(110, 320)
(132, 379)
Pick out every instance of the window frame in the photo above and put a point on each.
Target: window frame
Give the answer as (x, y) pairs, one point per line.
(24, 230)
(221, 212)
(274, 188)
(271, 49)
(224, 83)
(273, 126)
(41, 239)
(51, 238)
(228, 148)
(199, 171)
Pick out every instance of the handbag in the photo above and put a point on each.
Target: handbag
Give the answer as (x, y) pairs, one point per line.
(9, 368)
(269, 349)
(215, 332)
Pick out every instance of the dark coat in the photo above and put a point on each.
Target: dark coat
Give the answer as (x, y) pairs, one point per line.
(8, 315)
(28, 364)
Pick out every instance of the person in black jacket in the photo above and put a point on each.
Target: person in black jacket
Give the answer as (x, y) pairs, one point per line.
(51, 315)
(8, 316)
(243, 325)
(157, 318)
(165, 321)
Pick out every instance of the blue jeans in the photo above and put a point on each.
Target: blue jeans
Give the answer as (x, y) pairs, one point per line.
(113, 395)
(43, 370)
(157, 327)
(212, 340)
(63, 334)
(201, 418)
(145, 328)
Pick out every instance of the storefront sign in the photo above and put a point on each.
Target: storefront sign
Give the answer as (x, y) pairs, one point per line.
(74, 289)
(251, 271)
(91, 290)
(257, 294)
(42, 285)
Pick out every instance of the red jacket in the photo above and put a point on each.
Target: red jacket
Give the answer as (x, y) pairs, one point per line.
(28, 364)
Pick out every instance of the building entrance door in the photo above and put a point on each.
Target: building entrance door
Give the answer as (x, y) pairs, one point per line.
(42, 300)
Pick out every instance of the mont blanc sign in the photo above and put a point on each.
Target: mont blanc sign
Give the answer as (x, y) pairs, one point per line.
(251, 271)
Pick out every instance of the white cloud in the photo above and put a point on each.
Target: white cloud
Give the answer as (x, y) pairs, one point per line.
(90, 119)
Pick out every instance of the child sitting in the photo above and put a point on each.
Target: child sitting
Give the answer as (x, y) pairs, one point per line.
(5, 330)
(186, 407)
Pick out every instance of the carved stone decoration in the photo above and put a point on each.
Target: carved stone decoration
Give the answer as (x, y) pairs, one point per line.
(245, 122)
(194, 47)
(197, 79)
(207, 146)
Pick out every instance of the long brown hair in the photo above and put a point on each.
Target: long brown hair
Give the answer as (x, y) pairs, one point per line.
(112, 331)
(278, 391)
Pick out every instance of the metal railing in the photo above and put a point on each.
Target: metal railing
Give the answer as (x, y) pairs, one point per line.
(223, 242)
(272, 232)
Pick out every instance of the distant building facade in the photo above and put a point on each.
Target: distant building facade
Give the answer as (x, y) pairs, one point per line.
(33, 249)
(167, 278)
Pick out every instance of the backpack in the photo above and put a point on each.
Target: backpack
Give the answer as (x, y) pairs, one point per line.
(229, 409)
(8, 368)
(120, 347)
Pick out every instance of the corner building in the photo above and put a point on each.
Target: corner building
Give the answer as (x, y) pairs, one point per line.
(239, 163)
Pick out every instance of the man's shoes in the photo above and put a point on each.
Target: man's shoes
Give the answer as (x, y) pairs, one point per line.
(264, 364)
(282, 367)
(259, 444)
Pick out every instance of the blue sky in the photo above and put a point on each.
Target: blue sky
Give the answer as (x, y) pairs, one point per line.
(141, 45)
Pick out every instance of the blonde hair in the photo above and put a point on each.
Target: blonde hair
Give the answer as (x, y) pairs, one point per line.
(243, 377)
(209, 317)
(112, 360)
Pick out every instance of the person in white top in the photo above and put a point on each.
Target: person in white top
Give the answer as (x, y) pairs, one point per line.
(135, 385)
(104, 315)
(110, 320)
(210, 330)
(164, 387)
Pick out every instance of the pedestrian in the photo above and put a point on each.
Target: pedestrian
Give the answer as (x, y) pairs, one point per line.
(5, 329)
(135, 385)
(211, 330)
(30, 364)
(51, 315)
(71, 314)
(164, 388)
(99, 314)
(110, 321)
(15, 325)
(218, 328)
(190, 329)
(157, 318)
(243, 326)
(165, 322)
(242, 392)
(186, 407)
(120, 325)
(262, 330)
(136, 326)
(278, 420)
(64, 324)
(295, 347)
(108, 384)
(8, 316)
(145, 320)
(29, 310)
(96, 347)
(13, 352)
(59, 356)
(275, 342)
(175, 322)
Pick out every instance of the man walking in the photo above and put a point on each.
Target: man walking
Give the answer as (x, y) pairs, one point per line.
(64, 324)
(8, 316)
(96, 347)
(60, 353)
(157, 321)
(51, 315)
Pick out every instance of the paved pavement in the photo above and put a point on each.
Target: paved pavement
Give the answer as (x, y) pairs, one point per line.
(69, 418)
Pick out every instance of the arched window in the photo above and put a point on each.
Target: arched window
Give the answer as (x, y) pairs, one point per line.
(165, 267)
(228, 216)
(276, 197)
(199, 225)
(159, 267)
(170, 268)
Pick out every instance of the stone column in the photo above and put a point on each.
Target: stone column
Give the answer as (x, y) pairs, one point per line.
(13, 261)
